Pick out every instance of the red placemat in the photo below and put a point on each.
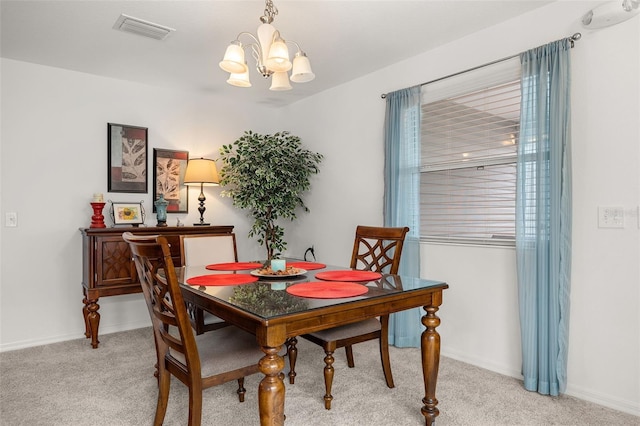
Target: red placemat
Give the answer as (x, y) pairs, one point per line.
(222, 279)
(234, 266)
(307, 266)
(327, 290)
(348, 275)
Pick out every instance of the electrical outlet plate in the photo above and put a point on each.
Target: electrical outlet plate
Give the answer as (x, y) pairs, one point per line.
(611, 217)
(11, 219)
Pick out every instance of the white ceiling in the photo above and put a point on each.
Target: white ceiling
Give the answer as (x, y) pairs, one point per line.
(343, 39)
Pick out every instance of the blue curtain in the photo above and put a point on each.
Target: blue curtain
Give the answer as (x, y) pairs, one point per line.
(543, 216)
(402, 198)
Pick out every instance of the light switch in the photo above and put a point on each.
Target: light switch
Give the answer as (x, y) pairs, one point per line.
(11, 219)
(610, 217)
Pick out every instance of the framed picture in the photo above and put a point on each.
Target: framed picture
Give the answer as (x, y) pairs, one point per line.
(127, 157)
(169, 167)
(126, 213)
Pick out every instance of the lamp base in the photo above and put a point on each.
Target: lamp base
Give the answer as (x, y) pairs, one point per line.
(201, 224)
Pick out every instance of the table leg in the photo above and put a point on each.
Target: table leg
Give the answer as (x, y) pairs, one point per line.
(430, 363)
(271, 389)
(91, 320)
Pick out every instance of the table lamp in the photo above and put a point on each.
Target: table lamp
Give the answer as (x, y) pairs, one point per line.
(203, 172)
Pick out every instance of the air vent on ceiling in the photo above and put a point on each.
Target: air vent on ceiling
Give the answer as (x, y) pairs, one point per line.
(141, 27)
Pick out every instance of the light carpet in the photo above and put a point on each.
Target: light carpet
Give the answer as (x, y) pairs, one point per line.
(71, 384)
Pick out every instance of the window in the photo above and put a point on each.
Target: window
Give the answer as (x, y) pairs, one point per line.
(469, 133)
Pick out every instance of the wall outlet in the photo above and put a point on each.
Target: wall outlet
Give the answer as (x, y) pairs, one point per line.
(610, 217)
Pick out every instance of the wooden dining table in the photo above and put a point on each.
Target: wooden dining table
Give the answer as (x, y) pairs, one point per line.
(266, 309)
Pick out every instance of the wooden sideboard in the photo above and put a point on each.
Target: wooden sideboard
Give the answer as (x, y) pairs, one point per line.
(108, 270)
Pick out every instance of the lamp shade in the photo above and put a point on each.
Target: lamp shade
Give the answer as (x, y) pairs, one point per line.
(301, 72)
(233, 61)
(201, 171)
(280, 81)
(240, 79)
(278, 59)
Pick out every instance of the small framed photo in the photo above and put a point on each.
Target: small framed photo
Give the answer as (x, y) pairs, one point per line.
(127, 158)
(169, 167)
(127, 213)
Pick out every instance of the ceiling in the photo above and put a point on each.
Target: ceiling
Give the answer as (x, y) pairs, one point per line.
(343, 39)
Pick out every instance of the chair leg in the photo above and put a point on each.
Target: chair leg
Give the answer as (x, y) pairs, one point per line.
(292, 352)
(384, 350)
(241, 390)
(349, 352)
(198, 319)
(164, 383)
(328, 378)
(195, 404)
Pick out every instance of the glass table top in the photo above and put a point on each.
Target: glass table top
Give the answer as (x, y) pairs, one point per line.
(268, 297)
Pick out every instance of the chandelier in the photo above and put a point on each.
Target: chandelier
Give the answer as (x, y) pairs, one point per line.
(271, 54)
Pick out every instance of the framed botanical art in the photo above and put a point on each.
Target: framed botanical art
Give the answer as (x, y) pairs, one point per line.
(169, 167)
(127, 157)
(125, 213)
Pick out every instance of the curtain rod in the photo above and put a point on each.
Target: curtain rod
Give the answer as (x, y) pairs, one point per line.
(572, 39)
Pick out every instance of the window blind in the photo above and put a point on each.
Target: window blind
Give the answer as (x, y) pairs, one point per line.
(469, 135)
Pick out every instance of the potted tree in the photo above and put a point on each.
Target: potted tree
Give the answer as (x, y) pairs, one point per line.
(267, 175)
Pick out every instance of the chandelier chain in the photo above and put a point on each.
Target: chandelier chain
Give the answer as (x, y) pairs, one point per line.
(270, 10)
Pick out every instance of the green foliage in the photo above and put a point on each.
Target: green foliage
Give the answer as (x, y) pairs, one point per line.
(267, 175)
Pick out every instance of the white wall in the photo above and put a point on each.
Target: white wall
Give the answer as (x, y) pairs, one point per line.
(54, 157)
(480, 321)
(57, 119)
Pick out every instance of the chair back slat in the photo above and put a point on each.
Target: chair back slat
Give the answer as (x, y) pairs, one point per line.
(378, 249)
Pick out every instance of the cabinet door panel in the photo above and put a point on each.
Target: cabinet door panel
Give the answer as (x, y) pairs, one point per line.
(116, 267)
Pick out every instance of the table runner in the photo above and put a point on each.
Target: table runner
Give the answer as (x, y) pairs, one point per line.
(348, 275)
(234, 266)
(327, 290)
(221, 279)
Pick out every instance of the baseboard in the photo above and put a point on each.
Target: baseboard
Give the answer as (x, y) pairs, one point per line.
(483, 363)
(107, 329)
(630, 407)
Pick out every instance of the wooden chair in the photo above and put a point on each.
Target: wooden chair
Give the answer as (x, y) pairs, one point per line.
(205, 249)
(197, 361)
(374, 249)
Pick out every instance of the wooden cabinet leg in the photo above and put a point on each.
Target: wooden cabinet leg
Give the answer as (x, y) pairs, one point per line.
(271, 389)
(430, 363)
(91, 320)
(85, 315)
